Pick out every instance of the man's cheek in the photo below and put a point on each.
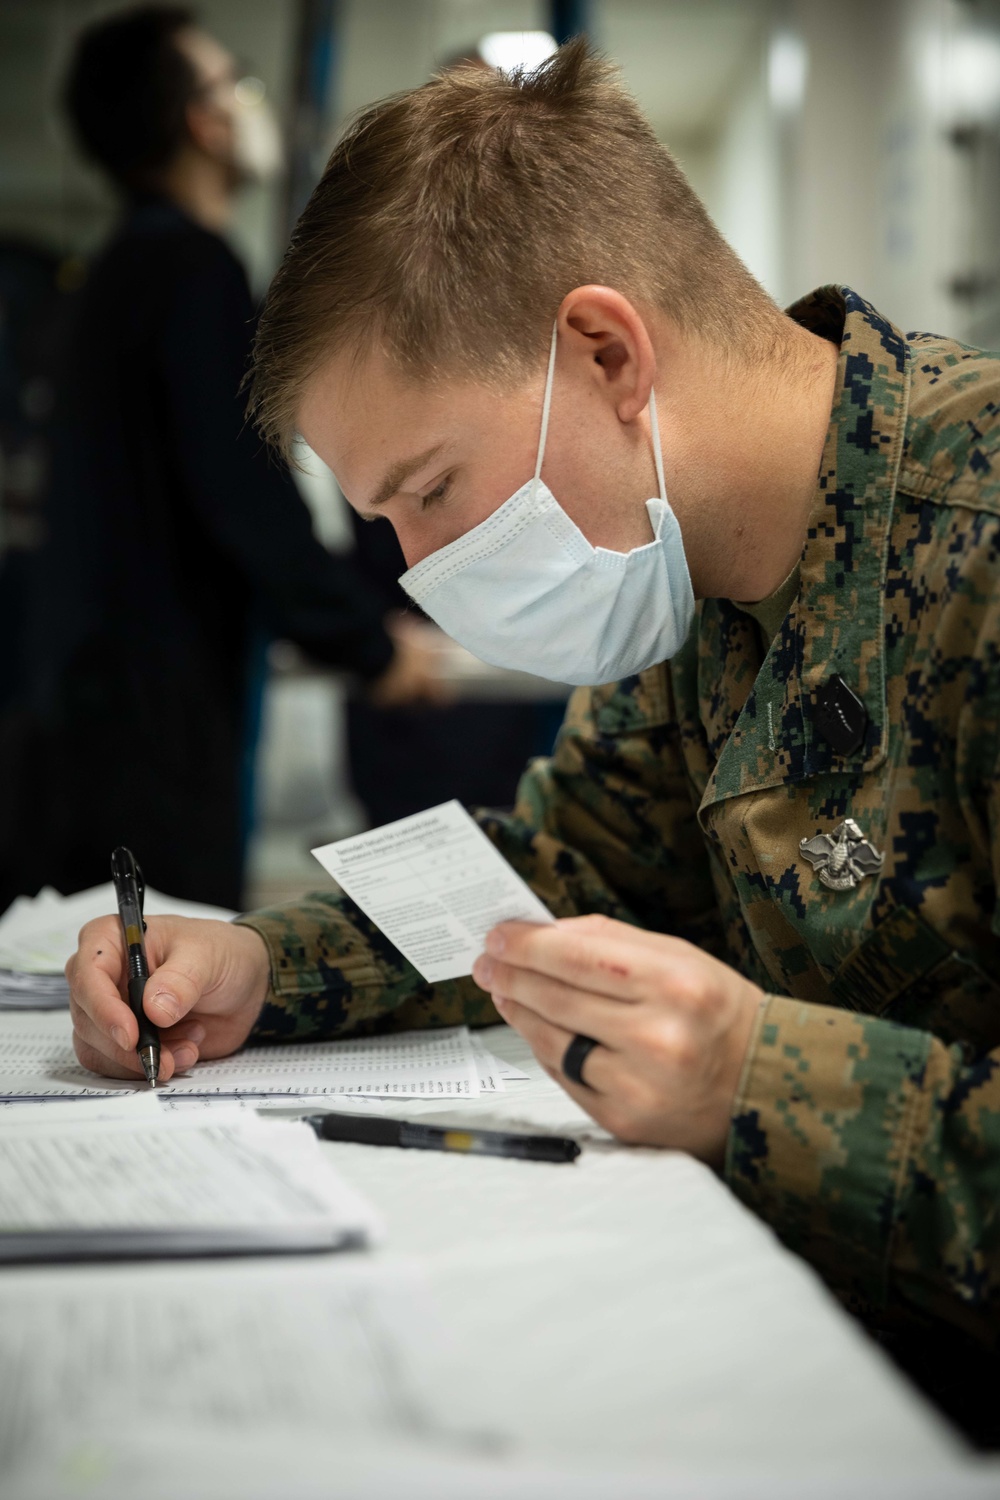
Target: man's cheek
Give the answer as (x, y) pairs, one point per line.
(417, 534)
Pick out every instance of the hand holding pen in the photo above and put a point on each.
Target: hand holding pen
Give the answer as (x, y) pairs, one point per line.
(208, 981)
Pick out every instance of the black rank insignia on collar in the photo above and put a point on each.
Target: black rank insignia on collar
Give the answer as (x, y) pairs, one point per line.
(840, 715)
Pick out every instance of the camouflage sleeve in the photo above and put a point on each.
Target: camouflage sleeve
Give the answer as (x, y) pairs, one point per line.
(874, 1151)
(607, 824)
(333, 974)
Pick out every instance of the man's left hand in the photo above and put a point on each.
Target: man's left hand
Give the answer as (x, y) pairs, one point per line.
(673, 1024)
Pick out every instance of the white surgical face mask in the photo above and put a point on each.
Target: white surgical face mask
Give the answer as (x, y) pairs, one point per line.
(257, 149)
(526, 590)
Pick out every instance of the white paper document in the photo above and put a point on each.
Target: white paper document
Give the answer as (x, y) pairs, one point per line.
(494, 1076)
(135, 1180)
(37, 1062)
(435, 885)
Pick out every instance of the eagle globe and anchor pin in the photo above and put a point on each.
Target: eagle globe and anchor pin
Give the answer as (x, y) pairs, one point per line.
(842, 858)
(845, 857)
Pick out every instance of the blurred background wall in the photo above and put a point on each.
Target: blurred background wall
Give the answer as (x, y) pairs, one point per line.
(856, 139)
(850, 140)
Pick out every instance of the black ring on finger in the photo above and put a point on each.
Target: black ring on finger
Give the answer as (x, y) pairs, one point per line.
(575, 1056)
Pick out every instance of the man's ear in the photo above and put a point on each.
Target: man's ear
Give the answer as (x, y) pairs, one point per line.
(600, 326)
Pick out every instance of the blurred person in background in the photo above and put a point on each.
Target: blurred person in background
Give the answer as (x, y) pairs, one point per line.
(177, 548)
(35, 287)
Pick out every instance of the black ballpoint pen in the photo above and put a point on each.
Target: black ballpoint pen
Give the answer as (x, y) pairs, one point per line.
(130, 890)
(363, 1130)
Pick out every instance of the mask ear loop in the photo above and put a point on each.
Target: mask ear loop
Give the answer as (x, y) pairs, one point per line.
(654, 427)
(546, 402)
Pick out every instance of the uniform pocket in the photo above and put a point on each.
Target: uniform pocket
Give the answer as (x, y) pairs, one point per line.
(906, 972)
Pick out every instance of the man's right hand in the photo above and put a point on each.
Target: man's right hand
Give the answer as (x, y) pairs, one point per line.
(207, 984)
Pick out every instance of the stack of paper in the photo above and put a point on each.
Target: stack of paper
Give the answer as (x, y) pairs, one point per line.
(22, 982)
(39, 933)
(126, 1179)
(37, 1062)
(26, 991)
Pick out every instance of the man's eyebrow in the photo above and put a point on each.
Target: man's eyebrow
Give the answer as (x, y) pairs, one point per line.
(399, 474)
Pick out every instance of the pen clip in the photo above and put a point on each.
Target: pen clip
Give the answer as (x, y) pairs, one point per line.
(140, 886)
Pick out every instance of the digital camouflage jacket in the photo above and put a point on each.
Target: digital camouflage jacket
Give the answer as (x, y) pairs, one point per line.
(867, 1127)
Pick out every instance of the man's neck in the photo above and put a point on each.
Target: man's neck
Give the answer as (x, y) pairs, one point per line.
(748, 446)
(202, 187)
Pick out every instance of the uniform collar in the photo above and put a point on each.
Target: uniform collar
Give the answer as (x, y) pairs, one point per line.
(762, 728)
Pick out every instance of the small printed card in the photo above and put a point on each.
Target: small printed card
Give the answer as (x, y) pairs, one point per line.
(435, 885)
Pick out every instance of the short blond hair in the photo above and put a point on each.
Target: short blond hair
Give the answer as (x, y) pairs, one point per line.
(452, 220)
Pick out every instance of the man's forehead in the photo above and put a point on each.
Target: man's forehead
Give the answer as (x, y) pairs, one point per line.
(342, 377)
(355, 405)
(372, 423)
(351, 394)
(341, 402)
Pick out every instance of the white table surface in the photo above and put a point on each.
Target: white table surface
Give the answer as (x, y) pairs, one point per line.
(622, 1323)
(626, 1312)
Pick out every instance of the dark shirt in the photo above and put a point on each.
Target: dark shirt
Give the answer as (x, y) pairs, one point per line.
(174, 539)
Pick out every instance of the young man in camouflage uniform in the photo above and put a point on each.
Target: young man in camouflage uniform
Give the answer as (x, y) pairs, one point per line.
(775, 853)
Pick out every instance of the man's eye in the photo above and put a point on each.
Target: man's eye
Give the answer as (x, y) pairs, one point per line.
(433, 497)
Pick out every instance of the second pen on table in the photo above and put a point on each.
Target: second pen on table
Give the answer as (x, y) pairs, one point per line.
(365, 1131)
